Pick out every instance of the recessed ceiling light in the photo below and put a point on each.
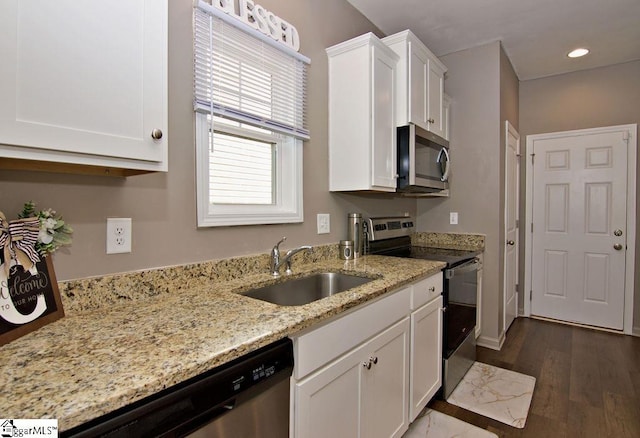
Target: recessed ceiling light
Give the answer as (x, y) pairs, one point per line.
(577, 53)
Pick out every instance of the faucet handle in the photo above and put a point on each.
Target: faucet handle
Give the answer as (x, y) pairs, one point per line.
(277, 245)
(275, 258)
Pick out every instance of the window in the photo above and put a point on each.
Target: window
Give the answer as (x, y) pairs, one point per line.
(241, 168)
(249, 98)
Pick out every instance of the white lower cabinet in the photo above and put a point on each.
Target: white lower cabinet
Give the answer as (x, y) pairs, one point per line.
(386, 384)
(362, 394)
(426, 367)
(369, 373)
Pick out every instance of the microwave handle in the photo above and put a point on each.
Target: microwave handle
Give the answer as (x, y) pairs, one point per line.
(445, 174)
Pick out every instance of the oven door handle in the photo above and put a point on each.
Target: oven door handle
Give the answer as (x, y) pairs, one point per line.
(470, 266)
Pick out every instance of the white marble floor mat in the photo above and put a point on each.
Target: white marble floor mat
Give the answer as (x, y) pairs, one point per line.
(496, 393)
(433, 424)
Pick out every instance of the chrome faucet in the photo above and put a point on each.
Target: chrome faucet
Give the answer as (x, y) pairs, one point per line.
(275, 258)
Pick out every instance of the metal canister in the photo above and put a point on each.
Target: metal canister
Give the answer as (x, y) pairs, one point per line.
(346, 250)
(354, 233)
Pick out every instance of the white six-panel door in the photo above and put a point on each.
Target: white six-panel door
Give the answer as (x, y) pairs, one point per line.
(579, 228)
(512, 178)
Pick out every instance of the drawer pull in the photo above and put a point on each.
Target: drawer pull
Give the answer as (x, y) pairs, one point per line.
(432, 289)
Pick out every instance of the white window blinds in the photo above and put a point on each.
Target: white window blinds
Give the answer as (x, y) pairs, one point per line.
(241, 170)
(241, 75)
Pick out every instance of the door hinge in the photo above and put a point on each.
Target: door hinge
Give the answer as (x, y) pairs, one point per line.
(532, 227)
(517, 287)
(531, 295)
(517, 223)
(533, 158)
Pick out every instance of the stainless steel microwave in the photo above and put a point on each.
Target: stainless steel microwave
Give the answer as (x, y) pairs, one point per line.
(423, 161)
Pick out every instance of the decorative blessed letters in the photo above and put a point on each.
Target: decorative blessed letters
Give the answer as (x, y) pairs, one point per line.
(261, 19)
(28, 299)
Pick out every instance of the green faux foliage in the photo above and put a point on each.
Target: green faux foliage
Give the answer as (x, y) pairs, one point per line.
(54, 232)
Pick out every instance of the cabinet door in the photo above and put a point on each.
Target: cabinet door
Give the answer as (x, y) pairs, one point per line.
(383, 128)
(86, 77)
(426, 355)
(386, 383)
(327, 404)
(435, 79)
(446, 116)
(417, 90)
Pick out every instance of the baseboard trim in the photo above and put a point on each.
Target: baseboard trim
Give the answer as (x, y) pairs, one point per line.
(492, 343)
(635, 331)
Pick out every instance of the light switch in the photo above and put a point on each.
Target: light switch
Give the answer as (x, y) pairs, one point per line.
(453, 218)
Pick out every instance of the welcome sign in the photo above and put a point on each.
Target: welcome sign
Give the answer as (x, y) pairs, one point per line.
(29, 299)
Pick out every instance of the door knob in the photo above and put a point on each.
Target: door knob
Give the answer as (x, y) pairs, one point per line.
(617, 247)
(511, 242)
(156, 134)
(367, 365)
(617, 233)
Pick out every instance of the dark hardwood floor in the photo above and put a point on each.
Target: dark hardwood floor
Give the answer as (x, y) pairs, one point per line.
(587, 382)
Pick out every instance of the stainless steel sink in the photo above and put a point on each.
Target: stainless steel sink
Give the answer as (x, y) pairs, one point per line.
(307, 289)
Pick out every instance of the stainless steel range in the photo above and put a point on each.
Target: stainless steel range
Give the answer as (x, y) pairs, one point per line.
(390, 236)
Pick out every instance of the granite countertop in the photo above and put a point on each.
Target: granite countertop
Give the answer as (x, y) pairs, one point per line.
(92, 362)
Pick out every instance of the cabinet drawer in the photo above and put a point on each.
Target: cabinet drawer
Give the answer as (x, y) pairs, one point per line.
(425, 290)
(320, 346)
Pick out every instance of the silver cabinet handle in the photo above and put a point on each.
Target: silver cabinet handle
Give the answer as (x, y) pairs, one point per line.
(432, 289)
(372, 361)
(430, 120)
(156, 134)
(617, 233)
(617, 247)
(511, 242)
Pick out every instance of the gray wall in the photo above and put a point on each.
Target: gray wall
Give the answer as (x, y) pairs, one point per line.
(162, 205)
(600, 97)
(473, 82)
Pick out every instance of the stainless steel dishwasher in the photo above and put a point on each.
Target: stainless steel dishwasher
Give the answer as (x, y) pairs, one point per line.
(248, 397)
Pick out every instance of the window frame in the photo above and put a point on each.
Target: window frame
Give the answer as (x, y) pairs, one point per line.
(288, 202)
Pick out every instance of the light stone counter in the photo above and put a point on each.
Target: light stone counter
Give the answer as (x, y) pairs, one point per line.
(465, 241)
(112, 350)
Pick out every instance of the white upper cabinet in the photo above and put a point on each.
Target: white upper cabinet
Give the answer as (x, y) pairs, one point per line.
(362, 120)
(84, 83)
(446, 116)
(419, 83)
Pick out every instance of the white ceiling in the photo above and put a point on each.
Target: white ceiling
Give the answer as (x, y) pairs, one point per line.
(536, 34)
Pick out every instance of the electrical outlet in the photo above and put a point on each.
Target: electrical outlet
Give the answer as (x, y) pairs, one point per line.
(324, 223)
(453, 218)
(118, 235)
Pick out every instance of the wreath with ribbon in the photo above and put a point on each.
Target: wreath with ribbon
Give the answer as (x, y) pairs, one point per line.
(33, 235)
